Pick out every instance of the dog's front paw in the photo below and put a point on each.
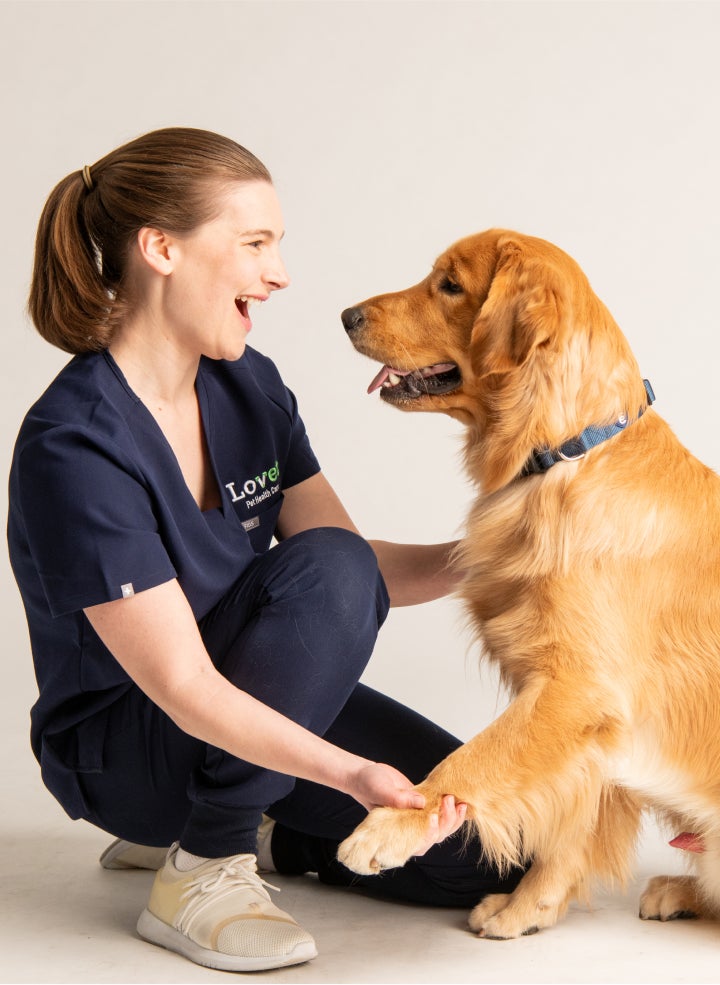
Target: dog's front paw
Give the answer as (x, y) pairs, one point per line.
(483, 919)
(670, 898)
(386, 839)
(503, 916)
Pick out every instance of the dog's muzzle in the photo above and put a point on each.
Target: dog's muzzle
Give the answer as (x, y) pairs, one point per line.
(404, 385)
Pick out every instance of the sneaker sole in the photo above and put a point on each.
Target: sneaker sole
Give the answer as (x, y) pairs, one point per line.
(158, 932)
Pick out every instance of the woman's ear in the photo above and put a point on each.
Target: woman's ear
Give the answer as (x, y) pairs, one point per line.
(523, 311)
(156, 248)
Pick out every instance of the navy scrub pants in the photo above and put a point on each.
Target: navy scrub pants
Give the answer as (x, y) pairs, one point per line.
(296, 632)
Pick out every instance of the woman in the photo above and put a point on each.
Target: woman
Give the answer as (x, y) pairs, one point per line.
(192, 677)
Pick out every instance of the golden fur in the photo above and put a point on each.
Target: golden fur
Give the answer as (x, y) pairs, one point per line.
(595, 587)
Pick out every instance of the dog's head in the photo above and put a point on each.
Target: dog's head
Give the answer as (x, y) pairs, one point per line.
(506, 335)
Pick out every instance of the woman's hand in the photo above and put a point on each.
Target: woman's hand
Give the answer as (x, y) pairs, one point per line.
(379, 785)
(452, 816)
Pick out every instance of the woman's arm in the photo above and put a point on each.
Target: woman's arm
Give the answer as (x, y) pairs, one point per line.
(155, 638)
(416, 573)
(413, 573)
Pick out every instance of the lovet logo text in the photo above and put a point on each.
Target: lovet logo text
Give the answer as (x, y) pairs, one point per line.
(254, 490)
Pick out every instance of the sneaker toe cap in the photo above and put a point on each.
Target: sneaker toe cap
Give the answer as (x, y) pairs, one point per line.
(263, 936)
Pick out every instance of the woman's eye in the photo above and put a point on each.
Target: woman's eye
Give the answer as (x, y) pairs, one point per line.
(448, 286)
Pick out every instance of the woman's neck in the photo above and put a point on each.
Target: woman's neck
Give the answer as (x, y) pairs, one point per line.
(155, 367)
(163, 378)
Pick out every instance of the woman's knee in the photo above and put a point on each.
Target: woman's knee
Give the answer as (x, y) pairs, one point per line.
(297, 631)
(340, 569)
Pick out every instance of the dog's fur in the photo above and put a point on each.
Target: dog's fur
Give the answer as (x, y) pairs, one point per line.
(594, 586)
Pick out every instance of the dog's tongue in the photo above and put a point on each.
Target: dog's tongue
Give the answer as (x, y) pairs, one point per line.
(383, 375)
(688, 842)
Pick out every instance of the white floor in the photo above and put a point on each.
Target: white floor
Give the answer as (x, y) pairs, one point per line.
(64, 919)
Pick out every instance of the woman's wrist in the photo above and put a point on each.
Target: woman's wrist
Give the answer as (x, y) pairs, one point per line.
(351, 783)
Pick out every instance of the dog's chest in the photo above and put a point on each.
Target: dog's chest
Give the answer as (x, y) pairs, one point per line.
(642, 768)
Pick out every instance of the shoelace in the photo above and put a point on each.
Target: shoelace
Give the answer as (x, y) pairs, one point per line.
(210, 887)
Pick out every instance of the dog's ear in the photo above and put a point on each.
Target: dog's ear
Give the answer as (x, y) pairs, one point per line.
(522, 312)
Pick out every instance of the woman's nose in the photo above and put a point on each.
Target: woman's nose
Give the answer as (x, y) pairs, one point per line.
(277, 276)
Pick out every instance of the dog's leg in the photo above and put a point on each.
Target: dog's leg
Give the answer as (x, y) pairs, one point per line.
(538, 763)
(543, 894)
(539, 901)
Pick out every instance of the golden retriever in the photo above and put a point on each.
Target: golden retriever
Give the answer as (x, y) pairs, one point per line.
(591, 568)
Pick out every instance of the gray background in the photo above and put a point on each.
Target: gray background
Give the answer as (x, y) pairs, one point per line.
(392, 129)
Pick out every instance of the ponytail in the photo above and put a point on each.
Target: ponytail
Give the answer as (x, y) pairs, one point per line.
(70, 301)
(165, 179)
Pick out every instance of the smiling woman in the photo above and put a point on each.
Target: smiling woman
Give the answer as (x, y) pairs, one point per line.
(198, 286)
(193, 675)
(91, 218)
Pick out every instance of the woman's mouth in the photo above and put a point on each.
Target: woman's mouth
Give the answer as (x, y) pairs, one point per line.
(243, 304)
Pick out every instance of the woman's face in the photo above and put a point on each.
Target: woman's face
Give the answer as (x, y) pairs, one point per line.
(222, 268)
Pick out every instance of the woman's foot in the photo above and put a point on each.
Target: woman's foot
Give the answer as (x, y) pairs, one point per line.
(219, 915)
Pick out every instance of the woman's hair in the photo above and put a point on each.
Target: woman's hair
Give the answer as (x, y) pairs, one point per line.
(170, 179)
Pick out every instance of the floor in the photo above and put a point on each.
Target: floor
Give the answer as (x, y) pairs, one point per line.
(67, 920)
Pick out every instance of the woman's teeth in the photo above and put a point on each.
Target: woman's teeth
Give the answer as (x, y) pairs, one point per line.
(246, 299)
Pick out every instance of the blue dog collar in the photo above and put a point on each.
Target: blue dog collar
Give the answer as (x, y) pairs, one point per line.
(574, 449)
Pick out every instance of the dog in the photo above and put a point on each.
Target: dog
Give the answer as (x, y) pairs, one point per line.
(590, 573)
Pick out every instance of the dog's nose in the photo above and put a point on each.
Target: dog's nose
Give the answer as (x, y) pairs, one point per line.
(352, 318)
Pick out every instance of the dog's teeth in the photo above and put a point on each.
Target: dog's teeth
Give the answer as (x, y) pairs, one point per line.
(393, 379)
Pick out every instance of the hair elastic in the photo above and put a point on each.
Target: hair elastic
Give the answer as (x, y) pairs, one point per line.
(87, 178)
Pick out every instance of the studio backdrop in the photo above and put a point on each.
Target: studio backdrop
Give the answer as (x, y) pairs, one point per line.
(392, 129)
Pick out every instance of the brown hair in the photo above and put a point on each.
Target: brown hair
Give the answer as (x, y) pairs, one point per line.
(163, 179)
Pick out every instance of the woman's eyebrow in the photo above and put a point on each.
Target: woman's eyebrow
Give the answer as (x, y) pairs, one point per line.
(262, 232)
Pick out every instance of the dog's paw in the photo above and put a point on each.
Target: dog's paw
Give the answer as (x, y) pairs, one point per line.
(670, 898)
(386, 839)
(482, 920)
(503, 917)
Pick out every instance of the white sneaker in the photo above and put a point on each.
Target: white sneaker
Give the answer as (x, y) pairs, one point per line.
(126, 855)
(220, 915)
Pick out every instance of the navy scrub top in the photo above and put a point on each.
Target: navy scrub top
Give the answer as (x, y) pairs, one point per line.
(99, 510)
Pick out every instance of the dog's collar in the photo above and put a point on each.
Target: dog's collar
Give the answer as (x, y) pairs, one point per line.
(574, 449)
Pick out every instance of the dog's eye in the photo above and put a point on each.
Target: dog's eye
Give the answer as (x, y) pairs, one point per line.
(448, 286)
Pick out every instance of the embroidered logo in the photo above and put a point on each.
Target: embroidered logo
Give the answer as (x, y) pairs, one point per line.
(254, 491)
(127, 590)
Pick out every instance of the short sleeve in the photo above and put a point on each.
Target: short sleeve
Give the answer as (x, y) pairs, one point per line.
(88, 518)
(301, 462)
